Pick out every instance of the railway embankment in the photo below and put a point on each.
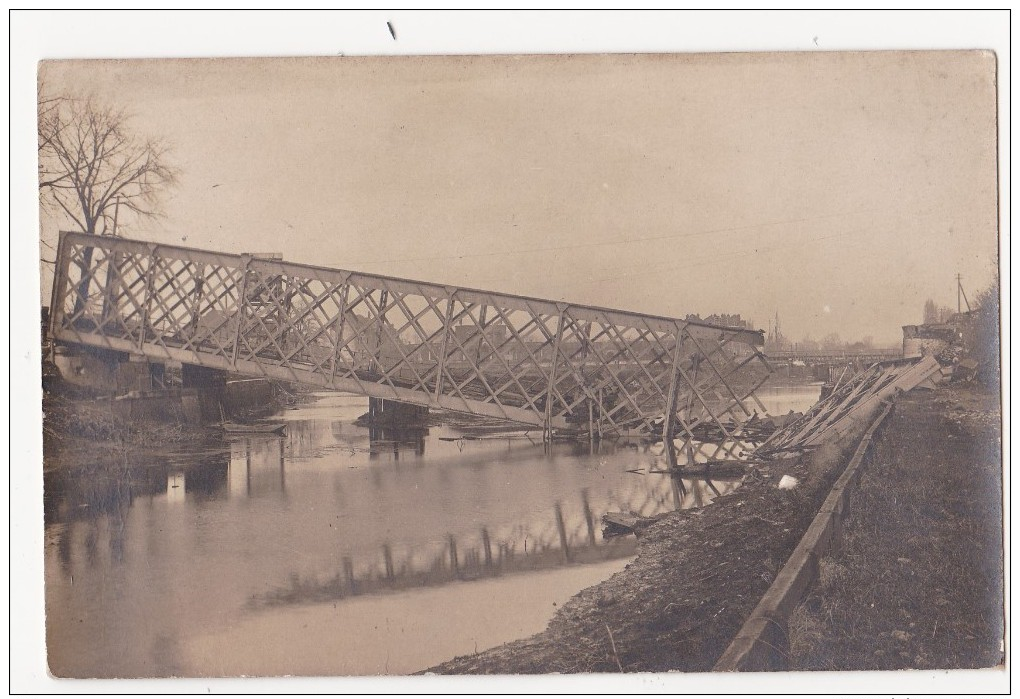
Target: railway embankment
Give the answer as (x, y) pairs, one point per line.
(923, 553)
(918, 581)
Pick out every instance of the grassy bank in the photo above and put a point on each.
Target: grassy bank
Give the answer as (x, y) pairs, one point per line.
(77, 431)
(918, 583)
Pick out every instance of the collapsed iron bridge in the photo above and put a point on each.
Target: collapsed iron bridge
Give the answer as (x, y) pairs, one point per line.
(540, 363)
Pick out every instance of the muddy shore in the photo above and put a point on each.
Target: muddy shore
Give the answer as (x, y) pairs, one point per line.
(699, 573)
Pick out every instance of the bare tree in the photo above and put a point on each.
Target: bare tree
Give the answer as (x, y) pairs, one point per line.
(49, 127)
(90, 163)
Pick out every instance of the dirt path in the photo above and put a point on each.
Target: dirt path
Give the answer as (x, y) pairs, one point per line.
(918, 583)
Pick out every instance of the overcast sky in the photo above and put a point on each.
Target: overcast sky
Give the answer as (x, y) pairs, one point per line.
(839, 190)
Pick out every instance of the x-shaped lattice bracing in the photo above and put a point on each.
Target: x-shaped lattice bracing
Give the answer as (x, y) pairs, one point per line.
(220, 295)
(492, 350)
(527, 360)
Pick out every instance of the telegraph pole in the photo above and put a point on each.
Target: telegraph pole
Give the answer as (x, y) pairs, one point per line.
(960, 292)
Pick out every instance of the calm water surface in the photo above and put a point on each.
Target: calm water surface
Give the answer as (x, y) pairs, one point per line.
(335, 549)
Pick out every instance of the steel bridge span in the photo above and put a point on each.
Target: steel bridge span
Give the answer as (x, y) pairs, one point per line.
(525, 360)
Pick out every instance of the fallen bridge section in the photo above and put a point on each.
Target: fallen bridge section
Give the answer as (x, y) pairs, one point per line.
(851, 403)
(526, 360)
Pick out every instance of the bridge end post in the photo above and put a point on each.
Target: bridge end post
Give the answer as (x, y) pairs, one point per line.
(61, 276)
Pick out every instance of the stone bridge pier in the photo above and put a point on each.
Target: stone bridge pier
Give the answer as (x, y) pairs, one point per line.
(394, 414)
(202, 393)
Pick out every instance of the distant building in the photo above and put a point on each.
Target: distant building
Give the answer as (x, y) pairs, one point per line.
(729, 320)
(934, 338)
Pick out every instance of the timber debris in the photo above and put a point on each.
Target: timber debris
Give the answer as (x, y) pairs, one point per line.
(854, 401)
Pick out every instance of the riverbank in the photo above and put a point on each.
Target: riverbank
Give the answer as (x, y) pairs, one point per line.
(699, 573)
(81, 428)
(919, 581)
(76, 433)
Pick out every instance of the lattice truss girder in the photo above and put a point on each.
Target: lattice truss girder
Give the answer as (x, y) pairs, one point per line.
(526, 360)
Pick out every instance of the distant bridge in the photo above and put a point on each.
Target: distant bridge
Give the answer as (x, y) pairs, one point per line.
(865, 356)
(526, 360)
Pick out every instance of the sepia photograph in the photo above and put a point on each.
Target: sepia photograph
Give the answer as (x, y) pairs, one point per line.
(519, 363)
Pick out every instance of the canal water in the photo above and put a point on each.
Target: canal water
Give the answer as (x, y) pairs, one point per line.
(337, 550)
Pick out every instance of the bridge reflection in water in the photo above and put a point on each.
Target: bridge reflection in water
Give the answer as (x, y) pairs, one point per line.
(564, 531)
(560, 531)
(172, 560)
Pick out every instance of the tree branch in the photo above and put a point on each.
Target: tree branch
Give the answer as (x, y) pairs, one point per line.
(88, 156)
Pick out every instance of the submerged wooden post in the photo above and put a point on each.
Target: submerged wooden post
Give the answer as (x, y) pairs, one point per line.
(589, 519)
(677, 487)
(388, 561)
(352, 584)
(283, 467)
(454, 564)
(563, 532)
(487, 546)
